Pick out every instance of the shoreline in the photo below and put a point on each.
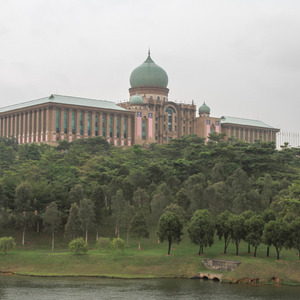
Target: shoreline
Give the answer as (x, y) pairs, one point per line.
(244, 280)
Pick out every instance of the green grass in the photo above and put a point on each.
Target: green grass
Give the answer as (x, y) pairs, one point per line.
(36, 258)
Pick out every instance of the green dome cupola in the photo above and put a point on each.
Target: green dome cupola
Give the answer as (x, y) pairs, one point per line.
(204, 109)
(136, 100)
(149, 74)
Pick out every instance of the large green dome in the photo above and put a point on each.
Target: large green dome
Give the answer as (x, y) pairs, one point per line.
(136, 100)
(204, 109)
(149, 74)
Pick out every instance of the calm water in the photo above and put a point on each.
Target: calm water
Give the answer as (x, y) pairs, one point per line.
(15, 287)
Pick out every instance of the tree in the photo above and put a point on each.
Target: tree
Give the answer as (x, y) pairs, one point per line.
(73, 226)
(268, 215)
(237, 231)
(277, 233)
(170, 228)
(202, 229)
(23, 205)
(7, 243)
(87, 216)
(223, 227)
(76, 194)
(78, 246)
(98, 199)
(254, 227)
(295, 234)
(118, 203)
(139, 227)
(182, 199)
(52, 219)
(161, 199)
(247, 215)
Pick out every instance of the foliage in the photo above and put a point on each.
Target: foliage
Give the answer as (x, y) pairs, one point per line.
(74, 225)
(117, 244)
(224, 228)
(52, 219)
(295, 234)
(237, 230)
(78, 246)
(254, 231)
(138, 227)
(170, 228)
(87, 216)
(7, 243)
(103, 244)
(277, 233)
(202, 229)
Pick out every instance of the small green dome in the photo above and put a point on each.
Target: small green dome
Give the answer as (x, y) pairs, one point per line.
(149, 74)
(204, 109)
(136, 100)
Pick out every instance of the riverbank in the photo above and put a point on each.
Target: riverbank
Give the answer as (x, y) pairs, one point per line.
(152, 262)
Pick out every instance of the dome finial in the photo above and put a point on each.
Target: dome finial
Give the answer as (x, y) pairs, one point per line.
(149, 51)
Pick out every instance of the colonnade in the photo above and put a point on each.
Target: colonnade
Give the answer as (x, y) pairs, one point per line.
(51, 124)
(250, 135)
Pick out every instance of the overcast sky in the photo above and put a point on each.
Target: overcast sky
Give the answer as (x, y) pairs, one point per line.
(242, 57)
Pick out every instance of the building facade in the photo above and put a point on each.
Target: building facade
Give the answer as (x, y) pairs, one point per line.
(147, 117)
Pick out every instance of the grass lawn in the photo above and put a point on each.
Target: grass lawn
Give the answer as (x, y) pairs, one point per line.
(36, 258)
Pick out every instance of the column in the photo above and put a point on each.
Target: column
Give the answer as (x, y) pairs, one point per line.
(115, 129)
(77, 129)
(6, 126)
(129, 132)
(28, 127)
(42, 119)
(85, 131)
(93, 124)
(47, 125)
(61, 124)
(15, 131)
(11, 125)
(100, 127)
(107, 127)
(52, 127)
(70, 135)
(24, 128)
(33, 122)
(122, 130)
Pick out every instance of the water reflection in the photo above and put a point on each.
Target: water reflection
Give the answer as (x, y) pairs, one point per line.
(17, 287)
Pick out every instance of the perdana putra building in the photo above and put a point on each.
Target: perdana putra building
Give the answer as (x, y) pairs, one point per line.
(148, 117)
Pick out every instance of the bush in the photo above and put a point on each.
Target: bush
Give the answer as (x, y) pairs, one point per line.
(79, 246)
(117, 244)
(7, 243)
(103, 244)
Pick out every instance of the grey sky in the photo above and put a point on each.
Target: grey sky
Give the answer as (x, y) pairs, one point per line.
(240, 56)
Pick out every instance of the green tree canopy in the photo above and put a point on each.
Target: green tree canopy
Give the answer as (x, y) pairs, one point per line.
(202, 229)
(138, 227)
(170, 228)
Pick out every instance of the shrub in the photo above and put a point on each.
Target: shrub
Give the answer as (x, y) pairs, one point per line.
(117, 244)
(7, 243)
(103, 244)
(79, 246)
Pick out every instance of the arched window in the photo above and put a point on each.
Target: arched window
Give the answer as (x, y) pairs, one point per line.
(143, 129)
(170, 110)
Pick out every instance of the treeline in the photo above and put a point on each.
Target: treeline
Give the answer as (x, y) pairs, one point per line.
(113, 183)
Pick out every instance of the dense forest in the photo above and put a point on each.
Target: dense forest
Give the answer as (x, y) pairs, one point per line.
(112, 183)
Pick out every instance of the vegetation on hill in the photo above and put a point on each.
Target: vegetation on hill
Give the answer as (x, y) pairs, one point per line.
(90, 188)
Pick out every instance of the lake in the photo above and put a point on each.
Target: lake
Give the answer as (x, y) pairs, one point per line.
(37, 288)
